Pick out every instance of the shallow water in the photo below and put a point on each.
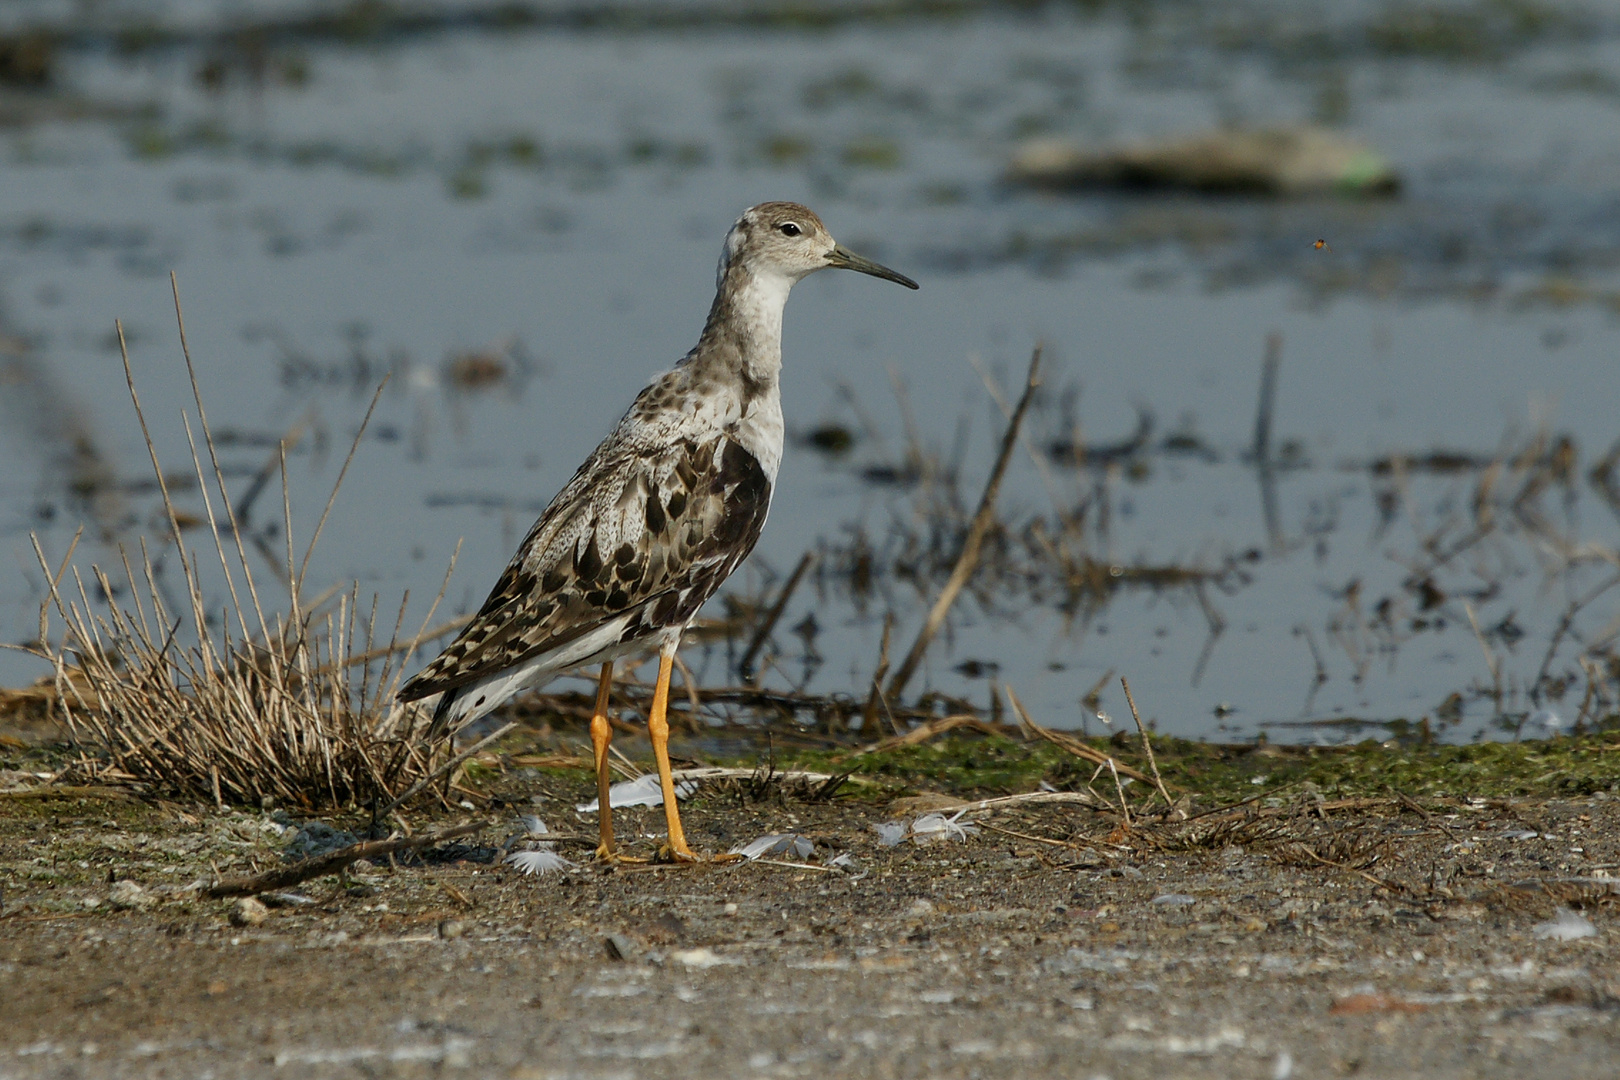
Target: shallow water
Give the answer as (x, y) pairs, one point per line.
(338, 210)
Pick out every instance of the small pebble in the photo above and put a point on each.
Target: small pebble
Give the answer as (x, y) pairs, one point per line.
(619, 947)
(248, 912)
(701, 958)
(450, 929)
(128, 896)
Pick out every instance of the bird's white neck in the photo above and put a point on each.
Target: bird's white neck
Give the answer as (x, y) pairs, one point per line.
(745, 324)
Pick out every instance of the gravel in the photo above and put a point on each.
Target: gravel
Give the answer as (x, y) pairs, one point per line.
(986, 956)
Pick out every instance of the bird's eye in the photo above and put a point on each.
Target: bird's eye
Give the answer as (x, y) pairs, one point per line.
(789, 229)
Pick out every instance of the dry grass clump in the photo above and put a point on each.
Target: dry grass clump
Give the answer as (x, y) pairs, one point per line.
(230, 702)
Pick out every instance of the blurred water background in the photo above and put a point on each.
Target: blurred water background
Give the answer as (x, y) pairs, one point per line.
(514, 209)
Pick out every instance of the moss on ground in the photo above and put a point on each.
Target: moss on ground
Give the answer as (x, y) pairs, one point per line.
(974, 766)
(1217, 774)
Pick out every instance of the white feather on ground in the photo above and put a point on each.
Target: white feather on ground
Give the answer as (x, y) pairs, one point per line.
(1567, 925)
(642, 791)
(541, 859)
(931, 827)
(925, 829)
(776, 844)
(891, 833)
(539, 862)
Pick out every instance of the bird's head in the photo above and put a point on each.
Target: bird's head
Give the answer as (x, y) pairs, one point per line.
(786, 240)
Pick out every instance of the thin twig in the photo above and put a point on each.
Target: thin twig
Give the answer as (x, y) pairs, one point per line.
(1268, 399)
(151, 448)
(71, 791)
(934, 728)
(1264, 466)
(261, 479)
(795, 865)
(745, 666)
(303, 567)
(1036, 839)
(1067, 742)
(1490, 658)
(330, 863)
(983, 519)
(1383, 883)
(717, 772)
(1034, 798)
(1042, 466)
(53, 582)
(421, 785)
(1147, 745)
(1566, 622)
(694, 703)
(875, 698)
(219, 477)
(1124, 807)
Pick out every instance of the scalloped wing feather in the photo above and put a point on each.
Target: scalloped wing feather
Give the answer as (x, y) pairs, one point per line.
(647, 529)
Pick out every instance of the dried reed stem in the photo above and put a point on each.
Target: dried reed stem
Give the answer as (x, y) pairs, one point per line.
(1079, 749)
(229, 702)
(1491, 662)
(983, 519)
(422, 784)
(875, 698)
(745, 666)
(1124, 807)
(1147, 745)
(330, 863)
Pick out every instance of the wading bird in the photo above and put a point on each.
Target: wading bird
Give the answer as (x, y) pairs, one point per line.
(657, 517)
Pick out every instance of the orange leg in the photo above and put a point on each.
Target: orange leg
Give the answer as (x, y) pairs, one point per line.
(601, 735)
(658, 731)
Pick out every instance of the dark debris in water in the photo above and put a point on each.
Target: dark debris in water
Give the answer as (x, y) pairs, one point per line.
(1286, 163)
(27, 60)
(832, 439)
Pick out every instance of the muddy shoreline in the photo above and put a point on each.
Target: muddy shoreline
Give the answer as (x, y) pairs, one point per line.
(1306, 934)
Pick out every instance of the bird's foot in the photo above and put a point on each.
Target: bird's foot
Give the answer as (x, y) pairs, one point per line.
(687, 857)
(669, 853)
(613, 857)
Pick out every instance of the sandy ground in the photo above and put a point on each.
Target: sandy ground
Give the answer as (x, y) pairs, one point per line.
(989, 955)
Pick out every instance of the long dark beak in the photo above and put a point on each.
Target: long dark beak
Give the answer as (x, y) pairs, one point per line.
(843, 259)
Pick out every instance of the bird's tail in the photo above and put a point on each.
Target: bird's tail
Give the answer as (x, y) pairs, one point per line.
(443, 715)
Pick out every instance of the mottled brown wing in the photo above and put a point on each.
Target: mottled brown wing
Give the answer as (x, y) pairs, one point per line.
(644, 536)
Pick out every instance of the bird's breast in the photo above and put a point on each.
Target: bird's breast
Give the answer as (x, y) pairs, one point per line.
(759, 431)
